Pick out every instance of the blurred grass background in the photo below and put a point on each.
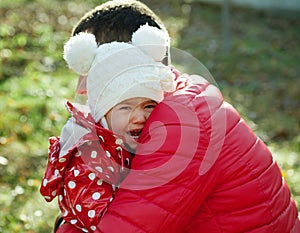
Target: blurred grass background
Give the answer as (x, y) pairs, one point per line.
(259, 76)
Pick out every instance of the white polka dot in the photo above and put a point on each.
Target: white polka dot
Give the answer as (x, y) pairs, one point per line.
(96, 196)
(99, 169)
(119, 149)
(93, 228)
(107, 154)
(111, 199)
(78, 208)
(65, 213)
(127, 162)
(111, 168)
(94, 154)
(84, 230)
(91, 213)
(73, 221)
(76, 173)
(61, 160)
(78, 153)
(102, 139)
(107, 176)
(45, 182)
(92, 176)
(119, 141)
(71, 184)
(60, 197)
(53, 193)
(47, 197)
(89, 143)
(65, 192)
(99, 182)
(56, 172)
(113, 187)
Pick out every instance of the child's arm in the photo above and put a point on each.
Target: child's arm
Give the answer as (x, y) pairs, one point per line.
(85, 180)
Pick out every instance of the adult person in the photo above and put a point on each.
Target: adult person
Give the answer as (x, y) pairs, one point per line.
(200, 168)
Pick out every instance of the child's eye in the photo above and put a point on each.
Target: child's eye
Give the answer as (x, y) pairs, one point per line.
(124, 108)
(150, 106)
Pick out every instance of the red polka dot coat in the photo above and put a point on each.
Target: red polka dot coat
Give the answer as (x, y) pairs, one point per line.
(85, 179)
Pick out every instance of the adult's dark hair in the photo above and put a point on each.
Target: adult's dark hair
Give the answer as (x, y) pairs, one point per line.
(117, 20)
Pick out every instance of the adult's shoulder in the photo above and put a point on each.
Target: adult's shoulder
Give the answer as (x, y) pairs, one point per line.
(197, 96)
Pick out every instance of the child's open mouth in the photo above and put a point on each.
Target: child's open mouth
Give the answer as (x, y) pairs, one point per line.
(135, 134)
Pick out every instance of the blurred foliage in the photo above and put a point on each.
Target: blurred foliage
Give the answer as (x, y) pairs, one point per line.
(258, 76)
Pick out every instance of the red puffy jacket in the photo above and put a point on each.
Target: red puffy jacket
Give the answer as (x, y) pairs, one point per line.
(200, 169)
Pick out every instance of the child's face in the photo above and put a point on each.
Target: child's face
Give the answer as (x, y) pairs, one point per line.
(129, 117)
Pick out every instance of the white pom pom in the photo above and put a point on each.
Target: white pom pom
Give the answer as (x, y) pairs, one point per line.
(152, 41)
(167, 82)
(79, 52)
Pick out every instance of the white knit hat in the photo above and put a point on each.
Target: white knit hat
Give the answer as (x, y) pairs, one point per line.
(118, 71)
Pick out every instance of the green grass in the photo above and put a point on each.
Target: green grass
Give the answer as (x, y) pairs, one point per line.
(259, 77)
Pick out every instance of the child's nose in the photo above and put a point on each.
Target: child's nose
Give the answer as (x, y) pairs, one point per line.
(139, 116)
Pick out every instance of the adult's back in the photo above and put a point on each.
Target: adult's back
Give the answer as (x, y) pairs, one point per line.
(201, 169)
